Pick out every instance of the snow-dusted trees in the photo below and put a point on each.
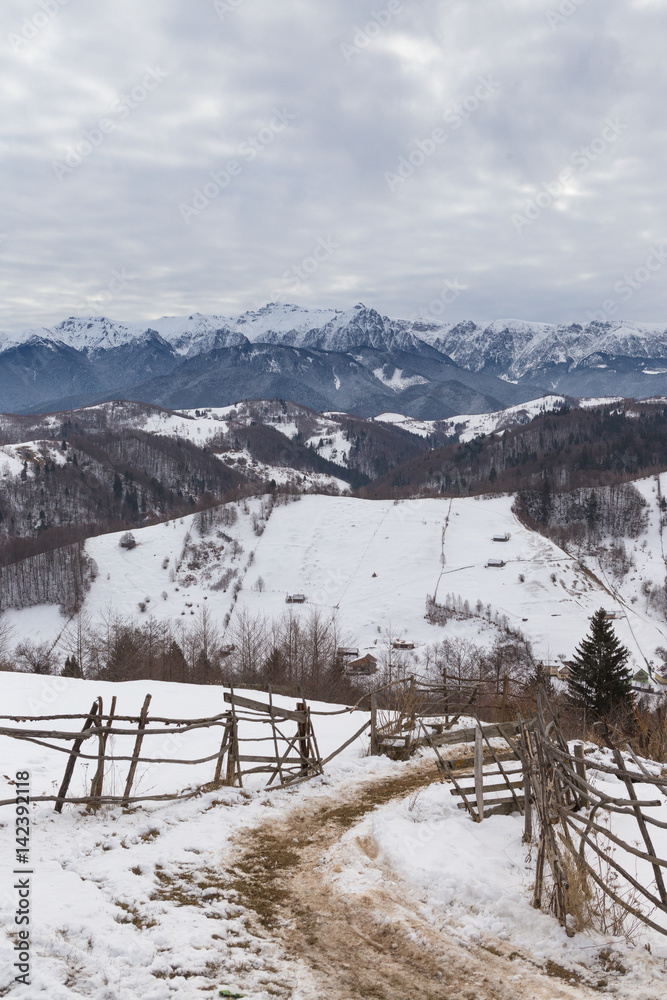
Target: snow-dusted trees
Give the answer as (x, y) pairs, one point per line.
(618, 511)
(6, 636)
(61, 576)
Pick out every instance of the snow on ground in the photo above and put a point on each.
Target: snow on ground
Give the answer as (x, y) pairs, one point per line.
(243, 461)
(421, 427)
(10, 466)
(475, 880)
(334, 446)
(397, 380)
(469, 426)
(374, 563)
(141, 903)
(591, 401)
(12, 456)
(112, 919)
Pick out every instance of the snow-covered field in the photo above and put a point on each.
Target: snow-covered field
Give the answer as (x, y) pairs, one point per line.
(146, 903)
(374, 563)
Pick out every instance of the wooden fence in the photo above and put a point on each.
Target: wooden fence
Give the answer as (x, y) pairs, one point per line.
(403, 711)
(574, 842)
(292, 752)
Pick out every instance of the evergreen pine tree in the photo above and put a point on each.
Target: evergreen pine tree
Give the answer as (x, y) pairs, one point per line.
(71, 668)
(600, 679)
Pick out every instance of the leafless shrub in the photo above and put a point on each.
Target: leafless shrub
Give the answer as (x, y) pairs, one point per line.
(34, 657)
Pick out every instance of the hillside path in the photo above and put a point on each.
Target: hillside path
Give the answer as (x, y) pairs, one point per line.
(349, 947)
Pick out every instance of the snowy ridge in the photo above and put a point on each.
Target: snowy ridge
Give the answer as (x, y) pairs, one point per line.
(512, 346)
(471, 425)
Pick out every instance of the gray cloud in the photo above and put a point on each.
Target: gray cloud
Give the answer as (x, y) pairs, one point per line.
(363, 93)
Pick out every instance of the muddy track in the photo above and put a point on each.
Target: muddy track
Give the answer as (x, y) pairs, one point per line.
(376, 945)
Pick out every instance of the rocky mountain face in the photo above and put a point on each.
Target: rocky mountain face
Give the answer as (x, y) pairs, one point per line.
(354, 360)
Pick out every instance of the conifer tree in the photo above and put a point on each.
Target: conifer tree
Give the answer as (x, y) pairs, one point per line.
(71, 668)
(600, 679)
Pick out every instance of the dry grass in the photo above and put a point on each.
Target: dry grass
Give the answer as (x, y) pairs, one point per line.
(591, 907)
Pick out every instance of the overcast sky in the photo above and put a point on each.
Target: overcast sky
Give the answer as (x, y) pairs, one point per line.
(385, 153)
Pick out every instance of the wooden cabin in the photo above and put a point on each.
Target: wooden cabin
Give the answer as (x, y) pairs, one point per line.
(495, 563)
(346, 652)
(295, 599)
(402, 644)
(502, 538)
(363, 666)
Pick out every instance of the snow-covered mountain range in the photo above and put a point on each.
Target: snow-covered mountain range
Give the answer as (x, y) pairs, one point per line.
(357, 360)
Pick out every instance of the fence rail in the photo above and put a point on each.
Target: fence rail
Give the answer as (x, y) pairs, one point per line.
(571, 812)
(292, 755)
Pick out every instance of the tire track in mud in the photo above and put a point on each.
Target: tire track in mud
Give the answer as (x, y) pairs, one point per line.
(377, 945)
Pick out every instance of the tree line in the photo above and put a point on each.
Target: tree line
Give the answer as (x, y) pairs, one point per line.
(576, 448)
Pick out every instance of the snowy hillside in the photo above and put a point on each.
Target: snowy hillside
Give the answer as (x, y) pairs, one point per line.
(469, 426)
(374, 563)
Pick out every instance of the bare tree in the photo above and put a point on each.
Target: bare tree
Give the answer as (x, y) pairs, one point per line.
(249, 634)
(78, 640)
(35, 657)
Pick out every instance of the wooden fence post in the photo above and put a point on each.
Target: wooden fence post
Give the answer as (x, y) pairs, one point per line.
(137, 750)
(374, 724)
(69, 770)
(580, 767)
(233, 762)
(527, 809)
(479, 776)
(315, 750)
(97, 783)
(302, 728)
(224, 748)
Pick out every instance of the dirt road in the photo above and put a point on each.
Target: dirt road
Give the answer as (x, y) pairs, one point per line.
(377, 945)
